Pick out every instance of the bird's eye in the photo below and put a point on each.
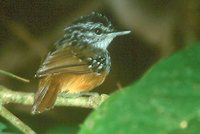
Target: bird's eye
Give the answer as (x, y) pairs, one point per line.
(98, 31)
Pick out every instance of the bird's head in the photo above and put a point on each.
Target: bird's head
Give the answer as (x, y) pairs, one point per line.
(94, 29)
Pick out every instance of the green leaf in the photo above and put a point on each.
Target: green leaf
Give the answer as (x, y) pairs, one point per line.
(5, 129)
(166, 100)
(63, 129)
(2, 127)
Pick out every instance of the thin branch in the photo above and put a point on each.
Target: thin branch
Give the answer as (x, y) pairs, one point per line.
(9, 96)
(14, 76)
(15, 121)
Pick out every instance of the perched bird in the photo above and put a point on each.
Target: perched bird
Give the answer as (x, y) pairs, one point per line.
(79, 62)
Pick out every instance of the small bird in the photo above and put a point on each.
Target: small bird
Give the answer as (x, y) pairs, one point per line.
(79, 61)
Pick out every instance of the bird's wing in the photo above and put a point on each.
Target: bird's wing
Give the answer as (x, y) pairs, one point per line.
(65, 60)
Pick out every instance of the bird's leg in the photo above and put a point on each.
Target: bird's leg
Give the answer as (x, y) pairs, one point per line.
(75, 95)
(90, 94)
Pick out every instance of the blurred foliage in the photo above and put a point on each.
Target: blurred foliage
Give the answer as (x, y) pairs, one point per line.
(62, 129)
(2, 127)
(6, 128)
(166, 100)
(159, 28)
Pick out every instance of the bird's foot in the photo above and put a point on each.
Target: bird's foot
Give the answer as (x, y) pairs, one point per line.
(76, 95)
(89, 94)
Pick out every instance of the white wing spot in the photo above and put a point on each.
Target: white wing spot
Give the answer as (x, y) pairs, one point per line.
(90, 66)
(94, 61)
(89, 58)
(100, 67)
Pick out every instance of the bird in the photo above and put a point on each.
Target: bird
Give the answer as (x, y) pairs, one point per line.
(78, 62)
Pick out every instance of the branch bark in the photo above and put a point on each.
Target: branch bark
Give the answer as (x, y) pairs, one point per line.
(15, 121)
(13, 76)
(9, 96)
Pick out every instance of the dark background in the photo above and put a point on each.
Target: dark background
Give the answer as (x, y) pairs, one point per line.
(29, 28)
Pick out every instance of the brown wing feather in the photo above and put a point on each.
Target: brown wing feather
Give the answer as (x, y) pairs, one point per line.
(63, 61)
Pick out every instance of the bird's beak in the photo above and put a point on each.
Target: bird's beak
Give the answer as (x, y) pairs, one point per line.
(114, 34)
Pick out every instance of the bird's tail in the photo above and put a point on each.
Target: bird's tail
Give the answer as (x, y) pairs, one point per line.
(45, 97)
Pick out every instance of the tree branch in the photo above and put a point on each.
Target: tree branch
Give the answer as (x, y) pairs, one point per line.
(13, 76)
(15, 121)
(9, 96)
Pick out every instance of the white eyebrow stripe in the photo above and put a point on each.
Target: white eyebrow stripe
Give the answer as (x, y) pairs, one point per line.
(90, 25)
